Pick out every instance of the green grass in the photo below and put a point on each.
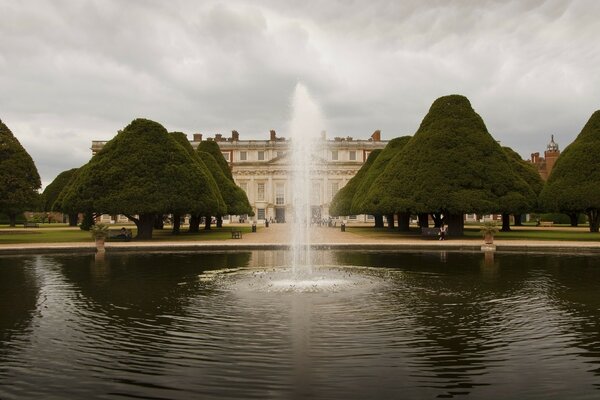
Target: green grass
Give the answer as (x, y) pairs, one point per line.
(65, 234)
(472, 232)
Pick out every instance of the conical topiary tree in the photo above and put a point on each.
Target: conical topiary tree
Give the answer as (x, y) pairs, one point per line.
(141, 173)
(341, 204)
(52, 192)
(452, 166)
(574, 183)
(19, 178)
(528, 201)
(360, 205)
(211, 147)
(235, 198)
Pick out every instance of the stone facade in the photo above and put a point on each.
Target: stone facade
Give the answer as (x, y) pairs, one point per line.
(262, 169)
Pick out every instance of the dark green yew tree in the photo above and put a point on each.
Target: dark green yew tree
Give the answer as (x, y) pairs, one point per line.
(212, 147)
(341, 204)
(360, 205)
(141, 173)
(528, 201)
(52, 192)
(19, 178)
(574, 184)
(451, 166)
(235, 198)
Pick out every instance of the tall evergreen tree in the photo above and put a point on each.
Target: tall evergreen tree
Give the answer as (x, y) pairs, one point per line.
(451, 166)
(574, 183)
(19, 178)
(53, 191)
(141, 173)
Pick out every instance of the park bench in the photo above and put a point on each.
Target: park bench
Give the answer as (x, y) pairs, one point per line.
(430, 232)
(31, 225)
(236, 234)
(116, 235)
(546, 223)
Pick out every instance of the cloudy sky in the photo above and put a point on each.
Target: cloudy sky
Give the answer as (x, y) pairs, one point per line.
(76, 71)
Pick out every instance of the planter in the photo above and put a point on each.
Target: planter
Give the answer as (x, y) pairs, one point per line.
(100, 244)
(488, 238)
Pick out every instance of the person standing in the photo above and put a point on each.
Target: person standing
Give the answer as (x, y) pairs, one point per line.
(443, 230)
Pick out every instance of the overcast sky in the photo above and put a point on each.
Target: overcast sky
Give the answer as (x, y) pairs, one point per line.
(76, 71)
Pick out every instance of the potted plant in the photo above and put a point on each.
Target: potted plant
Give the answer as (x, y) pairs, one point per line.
(489, 229)
(99, 233)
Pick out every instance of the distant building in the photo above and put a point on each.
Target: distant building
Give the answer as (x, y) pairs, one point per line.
(545, 164)
(262, 169)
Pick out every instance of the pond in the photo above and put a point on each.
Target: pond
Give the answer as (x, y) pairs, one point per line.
(234, 325)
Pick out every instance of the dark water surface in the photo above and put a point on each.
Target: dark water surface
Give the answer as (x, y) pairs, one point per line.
(416, 325)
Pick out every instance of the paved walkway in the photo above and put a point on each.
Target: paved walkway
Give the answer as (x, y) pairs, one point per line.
(279, 235)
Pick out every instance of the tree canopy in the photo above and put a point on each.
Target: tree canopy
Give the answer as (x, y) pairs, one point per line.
(528, 173)
(19, 178)
(574, 183)
(143, 170)
(452, 165)
(360, 203)
(53, 190)
(212, 147)
(235, 198)
(341, 204)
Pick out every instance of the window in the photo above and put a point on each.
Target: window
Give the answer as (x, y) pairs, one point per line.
(333, 189)
(260, 213)
(244, 186)
(261, 156)
(243, 156)
(260, 191)
(352, 155)
(226, 156)
(280, 154)
(334, 155)
(279, 194)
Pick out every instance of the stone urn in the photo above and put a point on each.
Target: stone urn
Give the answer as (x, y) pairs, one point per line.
(99, 233)
(488, 238)
(100, 244)
(489, 229)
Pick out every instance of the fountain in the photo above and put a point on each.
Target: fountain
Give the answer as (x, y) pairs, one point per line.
(305, 126)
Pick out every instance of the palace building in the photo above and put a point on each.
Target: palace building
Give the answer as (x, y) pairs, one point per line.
(262, 169)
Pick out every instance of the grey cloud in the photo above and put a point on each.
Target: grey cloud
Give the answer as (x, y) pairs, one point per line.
(75, 71)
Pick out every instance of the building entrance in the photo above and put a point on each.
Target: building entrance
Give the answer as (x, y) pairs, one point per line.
(280, 214)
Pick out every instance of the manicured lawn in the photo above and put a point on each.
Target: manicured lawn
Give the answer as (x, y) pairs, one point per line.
(63, 234)
(472, 232)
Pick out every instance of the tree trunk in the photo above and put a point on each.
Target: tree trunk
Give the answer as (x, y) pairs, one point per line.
(518, 219)
(194, 224)
(378, 221)
(593, 218)
(505, 222)
(390, 221)
(145, 225)
(423, 220)
(12, 220)
(219, 221)
(404, 222)
(456, 224)
(207, 223)
(73, 219)
(573, 218)
(176, 224)
(159, 222)
(437, 219)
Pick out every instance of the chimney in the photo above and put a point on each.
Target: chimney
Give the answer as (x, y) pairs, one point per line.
(218, 137)
(235, 136)
(535, 157)
(376, 136)
(273, 135)
(197, 137)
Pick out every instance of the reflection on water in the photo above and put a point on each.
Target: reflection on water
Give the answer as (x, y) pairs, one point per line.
(404, 325)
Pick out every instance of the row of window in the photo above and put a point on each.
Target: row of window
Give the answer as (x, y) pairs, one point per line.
(280, 191)
(335, 155)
